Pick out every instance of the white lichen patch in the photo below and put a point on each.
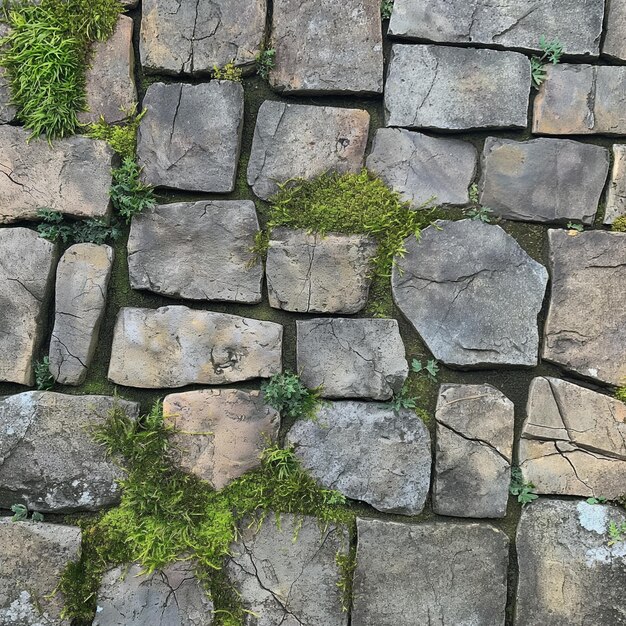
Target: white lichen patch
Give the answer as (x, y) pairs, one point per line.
(23, 611)
(592, 517)
(605, 554)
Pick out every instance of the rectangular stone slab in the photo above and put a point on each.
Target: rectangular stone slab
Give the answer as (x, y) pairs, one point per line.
(614, 44)
(616, 195)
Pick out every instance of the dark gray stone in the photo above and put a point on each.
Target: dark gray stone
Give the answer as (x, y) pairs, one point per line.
(614, 45)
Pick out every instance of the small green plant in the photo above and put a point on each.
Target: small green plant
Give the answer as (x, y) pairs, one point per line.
(431, 368)
(617, 532)
(476, 211)
(346, 562)
(620, 394)
(55, 227)
(229, 72)
(598, 500)
(619, 225)
(577, 227)
(403, 400)
(386, 8)
(20, 514)
(552, 53)
(44, 380)
(290, 397)
(129, 195)
(121, 136)
(265, 62)
(520, 488)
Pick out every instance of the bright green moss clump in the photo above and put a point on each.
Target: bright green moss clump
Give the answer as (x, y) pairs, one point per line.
(620, 394)
(619, 225)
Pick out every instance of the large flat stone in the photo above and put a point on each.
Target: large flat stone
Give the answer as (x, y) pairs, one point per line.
(368, 452)
(327, 47)
(220, 432)
(303, 141)
(616, 196)
(352, 358)
(287, 574)
(49, 460)
(312, 273)
(192, 37)
(445, 573)
(422, 168)
(190, 136)
(446, 88)
(581, 100)
(567, 572)
(472, 293)
(82, 281)
(71, 176)
(585, 331)
(543, 180)
(197, 250)
(576, 24)
(573, 441)
(28, 590)
(175, 346)
(614, 45)
(26, 279)
(474, 451)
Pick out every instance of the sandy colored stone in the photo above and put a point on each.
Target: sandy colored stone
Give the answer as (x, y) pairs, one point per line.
(616, 196)
(614, 44)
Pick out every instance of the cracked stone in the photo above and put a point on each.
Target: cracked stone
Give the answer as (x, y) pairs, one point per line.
(197, 250)
(303, 141)
(192, 37)
(422, 168)
(567, 572)
(576, 24)
(71, 176)
(48, 458)
(616, 196)
(172, 596)
(176, 346)
(614, 45)
(445, 573)
(312, 273)
(573, 440)
(327, 47)
(26, 279)
(472, 293)
(190, 136)
(220, 432)
(474, 451)
(368, 452)
(585, 331)
(29, 594)
(428, 87)
(82, 281)
(543, 180)
(352, 358)
(287, 573)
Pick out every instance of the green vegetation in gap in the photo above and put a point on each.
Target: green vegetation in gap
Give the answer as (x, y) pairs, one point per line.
(56, 227)
(265, 62)
(128, 194)
(386, 9)
(380, 299)
(552, 53)
(403, 400)
(431, 368)
(620, 394)
(598, 500)
(46, 55)
(475, 211)
(121, 136)
(579, 228)
(619, 225)
(44, 381)
(617, 532)
(290, 397)
(229, 72)
(346, 562)
(520, 488)
(20, 514)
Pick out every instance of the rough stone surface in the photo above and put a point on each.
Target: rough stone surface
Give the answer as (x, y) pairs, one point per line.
(33, 556)
(81, 293)
(175, 346)
(573, 441)
(111, 91)
(543, 180)
(192, 37)
(73, 176)
(585, 330)
(513, 24)
(446, 88)
(287, 581)
(303, 141)
(445, 573)
(221, 432)
(190, 136)
(422, 168)
(7, 110)
(129, 4)
(327, 47)
(48, 458)
(311, 273)
(197, 250)
(616, 196)
(368, 452)
(352, 358)
(614, 44)
(567, 572)
(168, 597)
(581, 100)
(26, 279)
(472, 293)
(474, 451)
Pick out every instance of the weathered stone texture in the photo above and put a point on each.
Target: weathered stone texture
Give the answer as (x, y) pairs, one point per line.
(368, 452)
(614, 44)
(585, 330)
(175, 346)
(446, 573)
(352, 358)
(8, 111)
(422, 168)
(197, 250)
(472, 293)
(49, 460)
(474, 451)
(616, 196)
(447, 88)
(81, 293)
(190, 136)
(303, 141)
(543, 180)
(26, 278)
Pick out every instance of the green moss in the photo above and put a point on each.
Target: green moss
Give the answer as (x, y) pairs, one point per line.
(121, 136)
(619, 225)
(620, 394)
